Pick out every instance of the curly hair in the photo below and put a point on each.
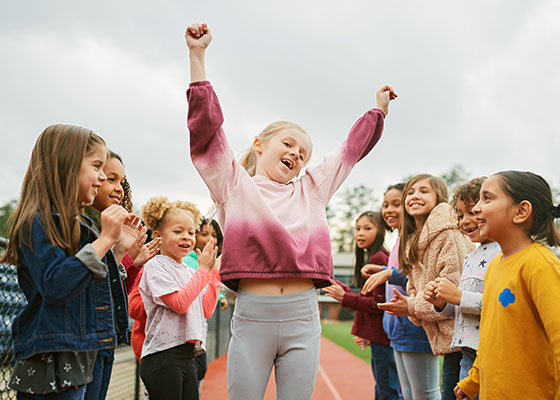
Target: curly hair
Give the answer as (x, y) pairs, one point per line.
(469, 193)
(157, 210)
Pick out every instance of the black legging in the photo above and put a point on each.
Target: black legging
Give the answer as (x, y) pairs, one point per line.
(170, 374)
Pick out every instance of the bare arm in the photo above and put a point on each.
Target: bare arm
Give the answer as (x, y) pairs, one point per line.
(198, 37)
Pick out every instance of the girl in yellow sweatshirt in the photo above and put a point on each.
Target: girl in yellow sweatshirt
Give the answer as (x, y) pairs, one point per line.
(519, 351)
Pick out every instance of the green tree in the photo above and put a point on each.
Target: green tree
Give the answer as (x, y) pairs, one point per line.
(5, 212)
(353, 202)
(456, 175)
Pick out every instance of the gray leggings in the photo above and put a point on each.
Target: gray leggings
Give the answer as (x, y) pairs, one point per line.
(283, 331)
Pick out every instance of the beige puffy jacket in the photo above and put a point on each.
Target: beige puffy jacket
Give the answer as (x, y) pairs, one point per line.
(442, 250)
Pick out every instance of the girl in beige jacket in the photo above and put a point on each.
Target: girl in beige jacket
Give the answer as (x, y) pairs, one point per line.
(431, 246)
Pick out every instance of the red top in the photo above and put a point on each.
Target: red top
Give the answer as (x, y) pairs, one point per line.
(368, 319)
(138, 314)
(131, 273)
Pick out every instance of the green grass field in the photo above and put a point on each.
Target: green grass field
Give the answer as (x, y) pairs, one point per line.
(339, 333)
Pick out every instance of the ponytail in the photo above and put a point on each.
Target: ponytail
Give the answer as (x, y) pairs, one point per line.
(249, 161)
(552, 234)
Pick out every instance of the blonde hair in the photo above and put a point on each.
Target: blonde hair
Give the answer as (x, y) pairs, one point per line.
(249, 159)
(51, 184)
(410, 233)
(157, 211)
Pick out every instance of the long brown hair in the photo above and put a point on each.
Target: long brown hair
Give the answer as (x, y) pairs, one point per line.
(362, 255)
(410, 233)
(51, 185)
(249, 159)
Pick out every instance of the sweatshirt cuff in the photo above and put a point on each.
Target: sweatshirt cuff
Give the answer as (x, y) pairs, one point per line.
(410, 302)
(466, 386)
(89, 258)
(447, 311)
(471, 303)
(201, 83)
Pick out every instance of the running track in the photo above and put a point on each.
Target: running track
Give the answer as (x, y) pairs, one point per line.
(341, 376)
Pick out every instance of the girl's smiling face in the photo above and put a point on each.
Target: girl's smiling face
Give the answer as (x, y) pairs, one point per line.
(177, 235)
(365, 232)
(392, 208)
(91, 176)
(468, 221)
(495, 209)
(204, 234)
(420, 200)
(281, 157)
(111, 191)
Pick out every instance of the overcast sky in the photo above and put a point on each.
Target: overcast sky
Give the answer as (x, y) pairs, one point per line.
(478, 82)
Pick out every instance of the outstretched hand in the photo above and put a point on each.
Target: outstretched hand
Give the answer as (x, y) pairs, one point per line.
(376, 279)
(361, 342)
(147, 252)
(198, 36)
(207, 257)
(384, 96)
(459, 393)
(397, 306)
(335, 291)
(370, 269)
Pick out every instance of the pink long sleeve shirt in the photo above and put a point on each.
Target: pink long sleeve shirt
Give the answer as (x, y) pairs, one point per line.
(271, 230)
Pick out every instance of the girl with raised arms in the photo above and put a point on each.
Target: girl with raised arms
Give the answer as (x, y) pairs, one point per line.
(276, 240)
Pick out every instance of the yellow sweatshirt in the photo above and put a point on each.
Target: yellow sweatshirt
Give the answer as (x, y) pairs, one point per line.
(519, 352)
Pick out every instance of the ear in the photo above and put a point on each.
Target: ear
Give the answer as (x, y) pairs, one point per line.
(257, 145)
(523, 212)
(156, 234)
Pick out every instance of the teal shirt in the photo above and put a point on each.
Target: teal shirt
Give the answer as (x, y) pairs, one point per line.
(191, 260)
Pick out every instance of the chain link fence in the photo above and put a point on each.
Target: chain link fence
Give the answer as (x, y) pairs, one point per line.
(125, 380)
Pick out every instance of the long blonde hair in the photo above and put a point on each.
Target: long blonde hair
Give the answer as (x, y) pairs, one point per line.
(249, 159)
(51, 184)
(410, 233)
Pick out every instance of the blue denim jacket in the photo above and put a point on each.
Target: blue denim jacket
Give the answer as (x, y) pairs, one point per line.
(69, 308)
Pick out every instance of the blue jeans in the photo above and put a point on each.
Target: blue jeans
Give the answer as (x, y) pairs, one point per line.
(467, 362)
(384, 372)
(419, 375)
(450, 374)
(69, 394)
(97, 388)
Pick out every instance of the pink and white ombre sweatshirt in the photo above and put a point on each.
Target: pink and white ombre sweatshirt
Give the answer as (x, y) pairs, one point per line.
(271, 230)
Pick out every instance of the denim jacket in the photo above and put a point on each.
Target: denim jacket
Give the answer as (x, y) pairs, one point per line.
(75, 303)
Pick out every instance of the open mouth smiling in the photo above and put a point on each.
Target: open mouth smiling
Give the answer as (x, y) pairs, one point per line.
(288, 163)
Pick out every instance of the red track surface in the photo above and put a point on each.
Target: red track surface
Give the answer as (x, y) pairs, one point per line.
(341, 376)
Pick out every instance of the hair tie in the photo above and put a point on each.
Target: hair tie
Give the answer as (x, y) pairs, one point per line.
(555, 211)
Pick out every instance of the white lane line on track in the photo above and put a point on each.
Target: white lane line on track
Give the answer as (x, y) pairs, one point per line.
(329, 383)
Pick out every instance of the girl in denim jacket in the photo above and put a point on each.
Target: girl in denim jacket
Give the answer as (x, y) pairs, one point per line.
(68, 274)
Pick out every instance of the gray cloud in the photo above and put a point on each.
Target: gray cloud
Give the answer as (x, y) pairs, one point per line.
(478, 83)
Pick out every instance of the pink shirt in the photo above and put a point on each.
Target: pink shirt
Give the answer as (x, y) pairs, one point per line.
(271, 230)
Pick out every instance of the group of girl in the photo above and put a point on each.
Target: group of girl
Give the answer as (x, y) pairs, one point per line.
(445, 281)
(276, 252)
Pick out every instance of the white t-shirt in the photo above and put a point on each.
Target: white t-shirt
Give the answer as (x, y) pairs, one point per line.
(164, 327)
